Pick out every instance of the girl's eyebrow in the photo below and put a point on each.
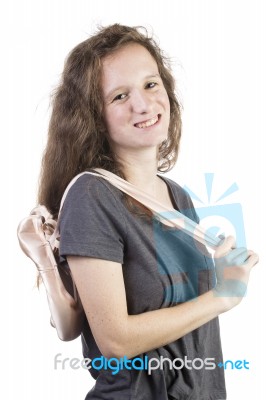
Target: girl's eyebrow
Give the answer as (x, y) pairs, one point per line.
(118, 88)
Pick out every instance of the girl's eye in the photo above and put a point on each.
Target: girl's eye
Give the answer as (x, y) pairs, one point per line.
(151, 85)
(121, 96)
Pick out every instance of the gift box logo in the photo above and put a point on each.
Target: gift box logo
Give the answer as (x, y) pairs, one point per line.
(181, 261)
(220, 219)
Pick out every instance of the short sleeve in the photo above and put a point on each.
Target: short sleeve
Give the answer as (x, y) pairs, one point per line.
(91, 222)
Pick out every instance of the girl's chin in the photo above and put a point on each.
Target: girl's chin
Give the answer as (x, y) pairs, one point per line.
(140, 144)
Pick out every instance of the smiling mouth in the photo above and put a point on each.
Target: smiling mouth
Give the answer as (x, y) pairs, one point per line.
(148, 123)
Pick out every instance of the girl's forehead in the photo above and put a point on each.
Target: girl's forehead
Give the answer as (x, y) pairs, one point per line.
(132, 52)
(131, 61)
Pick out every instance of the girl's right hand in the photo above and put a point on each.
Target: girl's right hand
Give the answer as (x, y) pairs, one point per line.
(233, 266)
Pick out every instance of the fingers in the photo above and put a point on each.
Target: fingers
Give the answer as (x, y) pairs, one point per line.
(227, 255)
(252, 260)
(233, 267)
(238, 256)
(227, 245)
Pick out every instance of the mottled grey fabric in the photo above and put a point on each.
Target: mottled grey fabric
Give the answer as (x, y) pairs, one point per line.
(161, 267)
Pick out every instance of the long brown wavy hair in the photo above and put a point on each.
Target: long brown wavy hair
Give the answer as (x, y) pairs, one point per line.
(77, 136)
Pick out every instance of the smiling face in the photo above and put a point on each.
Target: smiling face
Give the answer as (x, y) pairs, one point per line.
(136, 104)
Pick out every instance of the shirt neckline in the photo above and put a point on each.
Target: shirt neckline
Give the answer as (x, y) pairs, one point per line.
(173, 197)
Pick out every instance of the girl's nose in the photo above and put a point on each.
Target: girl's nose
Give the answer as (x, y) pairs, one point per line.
(140, 102)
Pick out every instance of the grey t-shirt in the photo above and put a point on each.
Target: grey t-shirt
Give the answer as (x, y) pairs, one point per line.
(161, 267)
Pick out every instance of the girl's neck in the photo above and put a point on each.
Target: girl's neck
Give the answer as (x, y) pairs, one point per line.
(140, 169)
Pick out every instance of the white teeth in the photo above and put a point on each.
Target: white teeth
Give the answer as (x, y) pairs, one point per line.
(148, 123)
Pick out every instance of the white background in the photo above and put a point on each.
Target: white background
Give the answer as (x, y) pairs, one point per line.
(218, 49)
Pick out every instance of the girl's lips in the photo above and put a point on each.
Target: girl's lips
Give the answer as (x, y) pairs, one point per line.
(148, 122)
